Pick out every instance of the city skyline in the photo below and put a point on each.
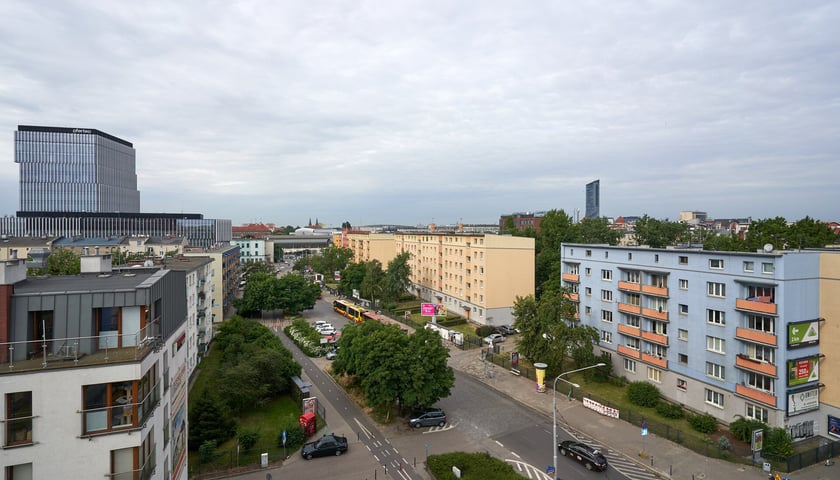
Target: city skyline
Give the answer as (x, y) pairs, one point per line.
(418, 112)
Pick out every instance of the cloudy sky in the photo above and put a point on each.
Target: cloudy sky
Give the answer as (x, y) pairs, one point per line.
(424, 111)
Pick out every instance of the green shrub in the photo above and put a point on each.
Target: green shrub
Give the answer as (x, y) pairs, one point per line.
(618, 381)
(472, 465)
(669, 410)
(294, 434)
(247, 439)
(703, 423)
(643, 394)
(724, 444)
(743, 428)
(207, 451)
(778, 444)
(484, 330)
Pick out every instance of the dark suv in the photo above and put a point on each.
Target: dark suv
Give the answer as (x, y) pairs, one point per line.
(590, 457)
(429, 417)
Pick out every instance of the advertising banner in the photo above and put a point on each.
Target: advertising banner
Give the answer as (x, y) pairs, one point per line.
(803, 334)
(604, 410)
(803, 401)
(834, 426)
(803, 370)
(427, 309)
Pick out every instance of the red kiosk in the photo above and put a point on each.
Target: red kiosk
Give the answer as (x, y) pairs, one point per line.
(307, 424)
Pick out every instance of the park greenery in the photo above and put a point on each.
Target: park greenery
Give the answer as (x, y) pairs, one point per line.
(392, 368)
(265, 292)
(473, 466)
(254, 368)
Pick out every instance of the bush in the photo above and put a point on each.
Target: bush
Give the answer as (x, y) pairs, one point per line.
(743, 428)
(294, 435)
(643, 394)
(472, 465)
(669, 410)
(207, 451)
(484, 330)
(703, 423)
(724, 444)
(247, 439)
(778, 444)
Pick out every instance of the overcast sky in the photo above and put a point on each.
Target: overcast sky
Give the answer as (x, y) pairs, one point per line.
(424, 111)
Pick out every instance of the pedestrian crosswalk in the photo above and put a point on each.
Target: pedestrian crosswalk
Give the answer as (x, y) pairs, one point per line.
(616, 460)
(528, 470)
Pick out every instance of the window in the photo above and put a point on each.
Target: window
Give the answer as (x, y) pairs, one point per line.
(18, 418)
(682, 384)
(714, 398)
(767, 268)
(633, 277)
(683, 260)
(588, 290)
(715, 289)
(589, 253)
(660, 328)
(656, 258)
(683, 309)
(606, 295)
(761, 323)
(630, 365)
(715, 344)
(588, 309)
(654, 375)
(574, 269)
(659, 281)
(756, 413)
(633, 320)
(760, 382)
(632, 343)
(109, 406)
(629, 255)
(606, 275)
(606, 316)
(634, 299)
(683, 284)
(682, 334)
(716, 263)
(682, 359)
(715, 371)
(588, 271)
(606, 336)
(761, 353)
(749, 266)
(607, 254)
(716, 317)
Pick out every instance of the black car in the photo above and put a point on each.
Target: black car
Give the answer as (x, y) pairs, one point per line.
(327, 445)
(590, 457)
(429, 417)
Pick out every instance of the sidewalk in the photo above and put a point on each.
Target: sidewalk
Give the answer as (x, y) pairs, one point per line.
(667, 459)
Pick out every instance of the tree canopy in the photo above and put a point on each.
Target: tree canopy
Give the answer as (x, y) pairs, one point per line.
(291, 293)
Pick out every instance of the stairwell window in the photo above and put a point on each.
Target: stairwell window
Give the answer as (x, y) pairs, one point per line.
(715, 317)
(606, 316)
(606, 336)
(683, 284)
(606, 275)
(715, 344)
(606, 295)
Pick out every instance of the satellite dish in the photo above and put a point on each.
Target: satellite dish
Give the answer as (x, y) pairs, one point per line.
(768, 247)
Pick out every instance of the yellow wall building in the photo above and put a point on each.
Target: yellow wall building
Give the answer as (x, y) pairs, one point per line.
(830, 337)
(476, 276)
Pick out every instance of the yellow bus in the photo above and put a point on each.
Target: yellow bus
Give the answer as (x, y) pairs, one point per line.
(356, 313)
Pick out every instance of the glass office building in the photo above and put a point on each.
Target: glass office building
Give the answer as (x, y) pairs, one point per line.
(75, 170)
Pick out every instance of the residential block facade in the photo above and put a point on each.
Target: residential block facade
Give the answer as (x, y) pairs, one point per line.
(724, 333)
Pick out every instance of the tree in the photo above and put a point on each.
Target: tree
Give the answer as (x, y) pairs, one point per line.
(597, 230)
(61, 261)
(397, 277)
(209, 421)
(374, 280)
(771, 230)
(351, 278)
(725, 243)
(291, 293)
(509, 227)
(556, 227)
(428, 378)
(810, 233)
(658, 233)
(346, 225)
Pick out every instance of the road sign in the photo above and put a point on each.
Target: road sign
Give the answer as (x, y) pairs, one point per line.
(549, 469)
(284, 438)
(644, 429)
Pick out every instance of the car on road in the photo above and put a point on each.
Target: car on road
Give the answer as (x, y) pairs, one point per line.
(430, 417)
(506, 330)
(589, 456)
(329, 444)
(494, 338)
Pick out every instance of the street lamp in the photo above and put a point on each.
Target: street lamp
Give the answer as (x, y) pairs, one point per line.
(554, 445)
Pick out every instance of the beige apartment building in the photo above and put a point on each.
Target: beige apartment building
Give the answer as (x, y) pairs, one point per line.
(830, 342)
(477, 276)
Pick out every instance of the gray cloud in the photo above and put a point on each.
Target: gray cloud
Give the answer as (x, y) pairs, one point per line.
(415, 111)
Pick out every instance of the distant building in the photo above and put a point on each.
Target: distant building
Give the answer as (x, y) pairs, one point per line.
(251, 249)
(226, 275)
(593, 199)
(256, 230)
(522, 220)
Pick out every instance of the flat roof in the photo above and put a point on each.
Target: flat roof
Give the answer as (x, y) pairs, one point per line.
(87, 282)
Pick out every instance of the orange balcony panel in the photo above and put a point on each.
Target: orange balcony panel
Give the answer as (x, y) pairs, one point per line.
(757, 395)
(658, 291)
(629, 352)
(571, 277)
(629, 330)
(755, 336)
(655, 338)
(651, 313)
(760, 307)
(747, 363)
(631, 287)
(573, 297)
(659, 362)
(627, 308)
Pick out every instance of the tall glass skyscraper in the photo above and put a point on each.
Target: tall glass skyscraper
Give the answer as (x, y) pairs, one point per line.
(593, 199)
(75, 170)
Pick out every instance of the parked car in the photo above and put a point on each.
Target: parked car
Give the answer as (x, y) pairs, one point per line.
(589, 456)
(327, 331)
(321, 326)
(327, 445)
(507, 330)
(429, 417)
(331, 355)
(494, 338)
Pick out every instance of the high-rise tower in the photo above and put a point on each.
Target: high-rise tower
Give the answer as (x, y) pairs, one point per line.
(593, 199)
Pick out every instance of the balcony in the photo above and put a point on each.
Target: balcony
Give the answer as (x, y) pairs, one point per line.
(655, 338)
(658, 314)
(755, 365)
(573, 297)
(72, 352)
(629, 330)
(655, 360)
(766, 398)
(627, 308)
(571, 277)
(629, 352)
(756, 304)
(756, 336)
(629, 287)
(655, 291)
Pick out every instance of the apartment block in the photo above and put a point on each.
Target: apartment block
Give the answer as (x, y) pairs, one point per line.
(724, 333)
(476, 276)
(251, 249)
(93, 373)
(224, 278)
(372, 246)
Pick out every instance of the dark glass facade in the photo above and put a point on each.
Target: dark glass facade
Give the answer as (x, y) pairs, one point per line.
(75, 170)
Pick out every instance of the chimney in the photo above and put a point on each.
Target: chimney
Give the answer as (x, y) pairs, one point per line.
(12, 271)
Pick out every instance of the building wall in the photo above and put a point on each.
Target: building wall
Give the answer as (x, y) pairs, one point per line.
(830, 331)
(373, 246)
(602, 278)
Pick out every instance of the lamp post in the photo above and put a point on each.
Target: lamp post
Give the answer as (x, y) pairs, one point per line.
(554, 445)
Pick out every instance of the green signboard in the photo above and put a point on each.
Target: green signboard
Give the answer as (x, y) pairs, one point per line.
(803, 334)
(803, 370)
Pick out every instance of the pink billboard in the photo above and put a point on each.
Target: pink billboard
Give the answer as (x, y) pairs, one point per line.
(427, 309)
